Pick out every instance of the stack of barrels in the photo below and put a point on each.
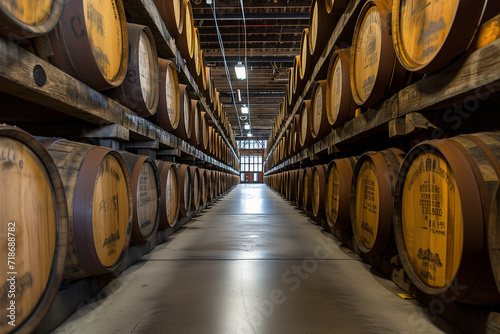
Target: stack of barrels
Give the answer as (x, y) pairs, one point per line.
(385, 56)
(120, 60)
(411, 205)
(72, 210)
(79, 207)
(435, 205)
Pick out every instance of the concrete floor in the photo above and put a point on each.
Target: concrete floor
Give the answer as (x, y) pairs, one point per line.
(251, 264)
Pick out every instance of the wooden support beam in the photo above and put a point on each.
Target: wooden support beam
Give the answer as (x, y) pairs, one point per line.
(409, 124)
(148, 144)
(171, 152)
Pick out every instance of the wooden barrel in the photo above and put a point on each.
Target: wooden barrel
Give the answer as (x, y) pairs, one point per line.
(298, 84)
(211, 135)
(26, 19)
(170, 186)
(185, 186)
(99, 196)
(196, 130)
(196, 190)
(372, 189)
(342, 107)
(171, 13)
(197, 55)
(308, 189)
(427, 36)
(90, 43)
(203, 186)
(185, 40)
(336, 7)
(169, 105)
(321, 25)
(306, 61)
(34, 226)
(305, 136)
(338, 189)
(146, 196)
(140, 91)
(441, 213)
(320, 104)
(494, 236)
(183, 131)
(293, 186)
(208, 89)
(209, 185)
(319, 189)
(375, 70)
(296, 134)
(204, 138)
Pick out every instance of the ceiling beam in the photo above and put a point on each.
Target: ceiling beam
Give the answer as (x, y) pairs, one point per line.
(235, 4)
(251, 59)
(254, 16)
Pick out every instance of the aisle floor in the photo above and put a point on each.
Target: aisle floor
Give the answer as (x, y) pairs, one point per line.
(252, 263)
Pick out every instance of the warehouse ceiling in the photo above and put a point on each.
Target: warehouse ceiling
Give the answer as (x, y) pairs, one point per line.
(273, 32)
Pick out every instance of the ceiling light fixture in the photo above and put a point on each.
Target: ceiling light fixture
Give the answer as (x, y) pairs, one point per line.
(247, 126)
(240, 70)
(249, 134)
(239, 95)
(244, 109)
